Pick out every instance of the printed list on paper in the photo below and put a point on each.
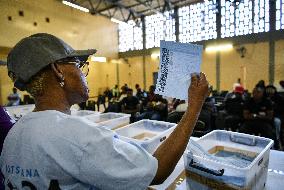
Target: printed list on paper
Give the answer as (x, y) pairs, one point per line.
(177, 62)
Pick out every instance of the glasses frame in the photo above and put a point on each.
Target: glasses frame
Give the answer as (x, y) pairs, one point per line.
(79, 64)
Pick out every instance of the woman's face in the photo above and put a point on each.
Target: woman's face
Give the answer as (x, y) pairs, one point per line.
(75, 87)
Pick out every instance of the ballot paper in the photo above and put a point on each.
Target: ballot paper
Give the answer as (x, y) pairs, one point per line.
(177, 62)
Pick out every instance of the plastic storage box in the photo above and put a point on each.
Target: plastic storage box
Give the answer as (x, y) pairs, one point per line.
(206, 173)
(18, 111)
(84, 112)
(110, 120)
(148, 133)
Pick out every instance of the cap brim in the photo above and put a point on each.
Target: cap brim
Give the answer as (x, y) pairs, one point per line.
(83, 55)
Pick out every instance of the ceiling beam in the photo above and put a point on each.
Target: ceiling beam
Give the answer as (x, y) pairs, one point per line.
(149, 7)
(107, 8)
(118, 4)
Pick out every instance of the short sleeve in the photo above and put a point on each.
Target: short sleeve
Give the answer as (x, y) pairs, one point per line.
(110, 163)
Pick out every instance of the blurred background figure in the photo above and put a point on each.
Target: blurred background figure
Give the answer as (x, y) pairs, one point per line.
(115, 91)
(258, 115)
(130, 104)
(14, 98)
(278, 108)
(155, 107)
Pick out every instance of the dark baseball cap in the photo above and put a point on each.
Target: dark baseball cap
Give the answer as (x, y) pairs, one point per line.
(37, 51)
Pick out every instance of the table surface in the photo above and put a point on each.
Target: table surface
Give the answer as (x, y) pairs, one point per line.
(275, 177)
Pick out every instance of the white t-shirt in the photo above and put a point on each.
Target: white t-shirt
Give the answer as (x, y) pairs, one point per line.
(48, 148)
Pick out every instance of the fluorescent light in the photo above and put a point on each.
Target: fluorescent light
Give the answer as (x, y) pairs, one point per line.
(222, 47)
(75, 6)
(155, 55)
(116, 61)
(98, 59)
(117, 21)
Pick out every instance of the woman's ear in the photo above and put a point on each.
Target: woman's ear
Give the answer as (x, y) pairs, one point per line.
(57, 71)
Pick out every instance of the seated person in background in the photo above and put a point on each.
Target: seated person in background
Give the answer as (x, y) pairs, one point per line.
(156, 107)
(234, 109)
(108, 94)
(140, 94)
(115, 91)
(14, 98)
(122, 93)
(62, 151)
(176, 115)
(258, 115)
(114, 105)
(130, 104)
(278, 109)
(101, 100)
(260, 84)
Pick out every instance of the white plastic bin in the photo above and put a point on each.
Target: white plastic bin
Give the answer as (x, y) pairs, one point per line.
(84, 112)
(148, 133)
(18, 111)
(206, 173)
(110, 120)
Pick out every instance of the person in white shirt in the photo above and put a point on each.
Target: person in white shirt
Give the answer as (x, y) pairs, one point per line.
(14, 98)
(50, 149)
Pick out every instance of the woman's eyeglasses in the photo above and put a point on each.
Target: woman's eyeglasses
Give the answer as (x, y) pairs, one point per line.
(83, 66)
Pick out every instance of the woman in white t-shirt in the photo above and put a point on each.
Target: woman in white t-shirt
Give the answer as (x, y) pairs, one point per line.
(50, 149)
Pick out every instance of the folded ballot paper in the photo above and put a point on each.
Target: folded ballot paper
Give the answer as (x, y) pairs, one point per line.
(177, 62)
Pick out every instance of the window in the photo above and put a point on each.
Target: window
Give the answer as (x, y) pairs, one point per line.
(159, 27)
(279, 14)
(198, 22)
(250, 16)
(261, 16)
(236, 19)
(130, 36)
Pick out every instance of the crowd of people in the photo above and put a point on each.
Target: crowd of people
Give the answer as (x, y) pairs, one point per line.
(260, 112)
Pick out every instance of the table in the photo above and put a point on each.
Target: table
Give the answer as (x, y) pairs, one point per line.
(275, 177)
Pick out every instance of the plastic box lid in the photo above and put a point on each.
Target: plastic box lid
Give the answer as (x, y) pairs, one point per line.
(148, 133)
(110, 120)
(84, 112)
(244, 177)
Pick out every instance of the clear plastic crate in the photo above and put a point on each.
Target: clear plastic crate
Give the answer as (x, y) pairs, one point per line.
(148, 133)
(110, 120)
(18, 111)
(204, 172)
(84, 112)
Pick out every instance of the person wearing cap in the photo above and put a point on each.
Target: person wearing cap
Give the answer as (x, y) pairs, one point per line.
(50, 149)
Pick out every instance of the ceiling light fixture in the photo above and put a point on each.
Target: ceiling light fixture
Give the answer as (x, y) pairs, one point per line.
(222, 47)
(117, 21)
(155, 55)
(75, 6)
(98, 59)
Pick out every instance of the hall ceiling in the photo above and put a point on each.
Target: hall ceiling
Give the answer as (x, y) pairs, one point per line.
(125, 10)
